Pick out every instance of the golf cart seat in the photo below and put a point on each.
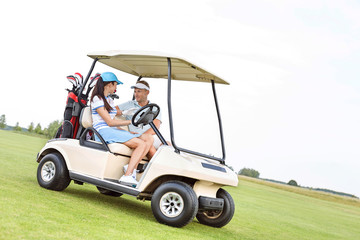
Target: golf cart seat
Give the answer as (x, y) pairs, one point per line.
(86, 118)
(86, 122)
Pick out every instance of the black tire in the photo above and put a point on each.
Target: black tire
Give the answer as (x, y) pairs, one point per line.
(108, 192)
(174, 203)
(216, 218)
(52, 172)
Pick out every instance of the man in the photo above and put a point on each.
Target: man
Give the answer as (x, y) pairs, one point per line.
(141, 92)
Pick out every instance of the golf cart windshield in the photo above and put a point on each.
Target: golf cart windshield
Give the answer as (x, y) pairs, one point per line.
(158, 65)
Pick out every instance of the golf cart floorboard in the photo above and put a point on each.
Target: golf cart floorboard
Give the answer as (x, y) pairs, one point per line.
(107, 184)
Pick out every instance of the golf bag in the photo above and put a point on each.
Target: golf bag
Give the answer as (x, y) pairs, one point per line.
(70, 126)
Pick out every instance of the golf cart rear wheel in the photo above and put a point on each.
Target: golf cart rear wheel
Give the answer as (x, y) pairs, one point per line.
(218, 218)
(108, 192)
(174, 203)
(52, 172)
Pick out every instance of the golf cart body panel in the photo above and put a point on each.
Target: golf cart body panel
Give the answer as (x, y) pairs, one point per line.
(165, 162)
(105, 165)
(86, 160)
(155, 65)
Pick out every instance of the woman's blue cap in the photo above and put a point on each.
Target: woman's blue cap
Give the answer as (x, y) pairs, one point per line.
(110, 77)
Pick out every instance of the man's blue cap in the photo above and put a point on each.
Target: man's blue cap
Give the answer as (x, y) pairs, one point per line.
(110, 77)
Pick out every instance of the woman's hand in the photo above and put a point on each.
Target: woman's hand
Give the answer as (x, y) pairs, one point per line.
(109, 121)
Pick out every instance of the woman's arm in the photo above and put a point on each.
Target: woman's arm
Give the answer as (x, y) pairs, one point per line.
(111, 122)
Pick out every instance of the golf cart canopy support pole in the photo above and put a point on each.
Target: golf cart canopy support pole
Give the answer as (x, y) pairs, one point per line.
(86, 80)
(178, 149)
(162, 139)
(219, 120)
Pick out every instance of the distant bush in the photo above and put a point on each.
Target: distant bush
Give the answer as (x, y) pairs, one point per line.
(52, 128)
(31, 127)
(48, 132)
(17, 127)
(249, 172)
(293, 183)
(2, 121)
(38, 129)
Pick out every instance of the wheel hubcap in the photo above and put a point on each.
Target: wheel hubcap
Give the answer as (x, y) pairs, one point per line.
(48, 171)
(213, 214)
(171, 204)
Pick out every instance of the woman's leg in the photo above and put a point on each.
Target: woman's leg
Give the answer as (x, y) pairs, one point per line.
(139, 147)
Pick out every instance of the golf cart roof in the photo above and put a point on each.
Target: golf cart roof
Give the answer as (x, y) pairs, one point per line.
(155, 65)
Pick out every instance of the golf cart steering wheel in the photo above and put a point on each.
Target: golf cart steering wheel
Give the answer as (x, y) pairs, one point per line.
(148, 114)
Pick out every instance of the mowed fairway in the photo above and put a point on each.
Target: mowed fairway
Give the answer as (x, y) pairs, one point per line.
(263, 211)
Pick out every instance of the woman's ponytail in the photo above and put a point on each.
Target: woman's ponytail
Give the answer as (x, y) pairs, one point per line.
(99, 91)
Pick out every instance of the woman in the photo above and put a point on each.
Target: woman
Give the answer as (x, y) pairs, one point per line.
(103, 113)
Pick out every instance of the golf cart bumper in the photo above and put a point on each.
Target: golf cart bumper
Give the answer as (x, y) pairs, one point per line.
(207, 203)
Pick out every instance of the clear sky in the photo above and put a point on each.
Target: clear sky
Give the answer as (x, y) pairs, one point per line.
(292, 110)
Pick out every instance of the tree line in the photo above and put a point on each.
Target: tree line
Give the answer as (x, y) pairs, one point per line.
(48, 132)
(249, 172)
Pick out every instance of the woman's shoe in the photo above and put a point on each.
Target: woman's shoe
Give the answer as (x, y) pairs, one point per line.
(133, 173)
(128, 181)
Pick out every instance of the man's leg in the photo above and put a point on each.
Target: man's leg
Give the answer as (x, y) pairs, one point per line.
(149, 140)
(139, 147)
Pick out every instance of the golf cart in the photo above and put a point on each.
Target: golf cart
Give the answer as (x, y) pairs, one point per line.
(180, 183)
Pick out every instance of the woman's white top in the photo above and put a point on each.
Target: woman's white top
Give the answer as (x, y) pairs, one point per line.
(98, 121)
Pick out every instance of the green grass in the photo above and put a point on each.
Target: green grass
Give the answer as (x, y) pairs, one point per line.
(263, 211)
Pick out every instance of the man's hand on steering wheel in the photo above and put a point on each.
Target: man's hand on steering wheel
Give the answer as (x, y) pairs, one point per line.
(147, 114)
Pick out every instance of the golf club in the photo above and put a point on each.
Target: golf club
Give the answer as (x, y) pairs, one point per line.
(72, 80)
(92, 83)
(80, 79)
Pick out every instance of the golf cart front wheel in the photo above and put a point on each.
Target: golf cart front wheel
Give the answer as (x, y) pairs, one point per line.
(174, 203)
(52, 172)
(218, 218)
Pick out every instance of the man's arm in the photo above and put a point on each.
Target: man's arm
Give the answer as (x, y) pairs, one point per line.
(118, 111)
(157, 123)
